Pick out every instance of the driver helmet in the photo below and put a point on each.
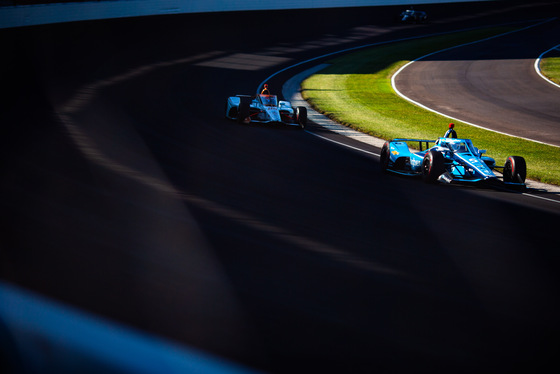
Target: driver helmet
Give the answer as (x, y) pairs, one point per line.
(451, 132)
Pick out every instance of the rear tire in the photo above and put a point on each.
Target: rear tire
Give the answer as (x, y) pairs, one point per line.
(433, 165)
(515, 169)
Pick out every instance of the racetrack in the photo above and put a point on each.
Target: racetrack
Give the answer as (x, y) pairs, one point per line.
(492, 84)
(127, 194)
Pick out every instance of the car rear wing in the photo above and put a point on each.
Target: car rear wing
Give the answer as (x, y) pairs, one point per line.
(421, 142)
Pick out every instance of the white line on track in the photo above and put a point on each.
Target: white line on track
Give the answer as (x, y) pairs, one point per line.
(540, 197)
(342, 144)
(537, 65)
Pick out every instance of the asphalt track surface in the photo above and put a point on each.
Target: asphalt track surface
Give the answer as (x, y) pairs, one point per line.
(125, 193)
(492, 84)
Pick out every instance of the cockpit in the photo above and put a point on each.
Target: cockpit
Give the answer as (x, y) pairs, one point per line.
(269, 100)
(460, 146)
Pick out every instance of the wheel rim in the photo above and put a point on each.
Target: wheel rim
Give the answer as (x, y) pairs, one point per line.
(426, 166)
(508, 171)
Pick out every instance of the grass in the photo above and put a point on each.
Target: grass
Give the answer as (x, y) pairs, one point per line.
(550, 67)
(355, 90)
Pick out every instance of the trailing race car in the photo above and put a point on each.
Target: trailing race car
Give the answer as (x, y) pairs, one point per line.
(412, 16)
(264, 108)
(451, 160)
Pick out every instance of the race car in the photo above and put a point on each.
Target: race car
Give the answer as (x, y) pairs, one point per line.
(412, 16)
(451, 160)
(264, 108)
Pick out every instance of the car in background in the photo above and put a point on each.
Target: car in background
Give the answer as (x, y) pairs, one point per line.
(412, 16)
(451, 160)
(265, 108)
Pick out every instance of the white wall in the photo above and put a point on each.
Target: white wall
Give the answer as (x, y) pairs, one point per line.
(27, 15)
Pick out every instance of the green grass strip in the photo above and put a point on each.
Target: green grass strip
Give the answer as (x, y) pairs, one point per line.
(355, 90)
(550, 67)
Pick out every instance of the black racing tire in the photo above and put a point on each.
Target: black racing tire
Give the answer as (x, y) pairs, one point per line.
(433, 165)
(385, 157)
(301, 116)
(515, 169)
(244, 110)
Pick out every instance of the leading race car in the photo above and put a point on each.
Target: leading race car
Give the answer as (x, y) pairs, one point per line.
(265, 108)
(412, 16)
(449, 160)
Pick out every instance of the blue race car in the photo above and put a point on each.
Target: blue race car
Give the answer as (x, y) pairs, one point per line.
(265, 108)
(451, 159)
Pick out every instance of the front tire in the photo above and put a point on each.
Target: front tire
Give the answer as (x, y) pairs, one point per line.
(433, 165)
(244, 110)
(232, 113)
(385, 157)
(301, 116)
(515, 169)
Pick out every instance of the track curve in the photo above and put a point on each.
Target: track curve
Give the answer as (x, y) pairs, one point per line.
(127, 194)
(493, 84)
